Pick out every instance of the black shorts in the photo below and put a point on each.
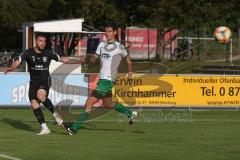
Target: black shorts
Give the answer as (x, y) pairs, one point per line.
(35, 86)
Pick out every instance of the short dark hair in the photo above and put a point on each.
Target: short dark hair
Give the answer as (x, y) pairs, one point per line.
(112, 25)
(40, 34)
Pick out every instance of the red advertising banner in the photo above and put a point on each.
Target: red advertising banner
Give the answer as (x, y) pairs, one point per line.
(143, 42)
(169, 49)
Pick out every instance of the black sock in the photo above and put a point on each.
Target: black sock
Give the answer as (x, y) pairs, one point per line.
(39, 115)
(48, 104)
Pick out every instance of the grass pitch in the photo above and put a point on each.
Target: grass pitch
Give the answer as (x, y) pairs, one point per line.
(206, 135)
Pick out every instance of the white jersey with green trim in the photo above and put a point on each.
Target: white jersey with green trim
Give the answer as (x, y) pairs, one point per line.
(110, 55)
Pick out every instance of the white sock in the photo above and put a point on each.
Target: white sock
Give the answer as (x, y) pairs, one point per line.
(44, 126)
(54, 113)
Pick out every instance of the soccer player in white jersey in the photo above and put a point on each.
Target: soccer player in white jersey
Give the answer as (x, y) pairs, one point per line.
(110, 53)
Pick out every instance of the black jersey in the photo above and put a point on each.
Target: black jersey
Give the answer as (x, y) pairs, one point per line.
(38, 63)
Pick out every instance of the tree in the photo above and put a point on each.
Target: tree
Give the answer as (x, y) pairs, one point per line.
(13, 13)
(190, 14)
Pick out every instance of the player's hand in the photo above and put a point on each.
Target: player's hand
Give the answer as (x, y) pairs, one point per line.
(64, 59)
(129, 75)
(7, 70)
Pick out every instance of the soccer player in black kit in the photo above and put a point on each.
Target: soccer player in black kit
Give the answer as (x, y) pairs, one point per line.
(38, 60)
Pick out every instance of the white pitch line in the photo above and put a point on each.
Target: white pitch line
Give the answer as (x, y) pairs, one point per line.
(9, 157)
(157, 121)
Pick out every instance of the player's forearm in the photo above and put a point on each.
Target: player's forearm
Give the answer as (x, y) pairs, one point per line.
(68, 60)
(129, 64)
(14, 65)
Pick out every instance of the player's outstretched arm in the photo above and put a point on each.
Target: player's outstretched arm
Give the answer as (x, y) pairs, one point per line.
(70, 60)
(13, 66)
(129, 64)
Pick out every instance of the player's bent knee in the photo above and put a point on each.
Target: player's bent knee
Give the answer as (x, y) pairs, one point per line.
(41, 98)
(108, 103)
(41, 95)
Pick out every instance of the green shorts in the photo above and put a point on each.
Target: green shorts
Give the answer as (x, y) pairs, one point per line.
(103, 89)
